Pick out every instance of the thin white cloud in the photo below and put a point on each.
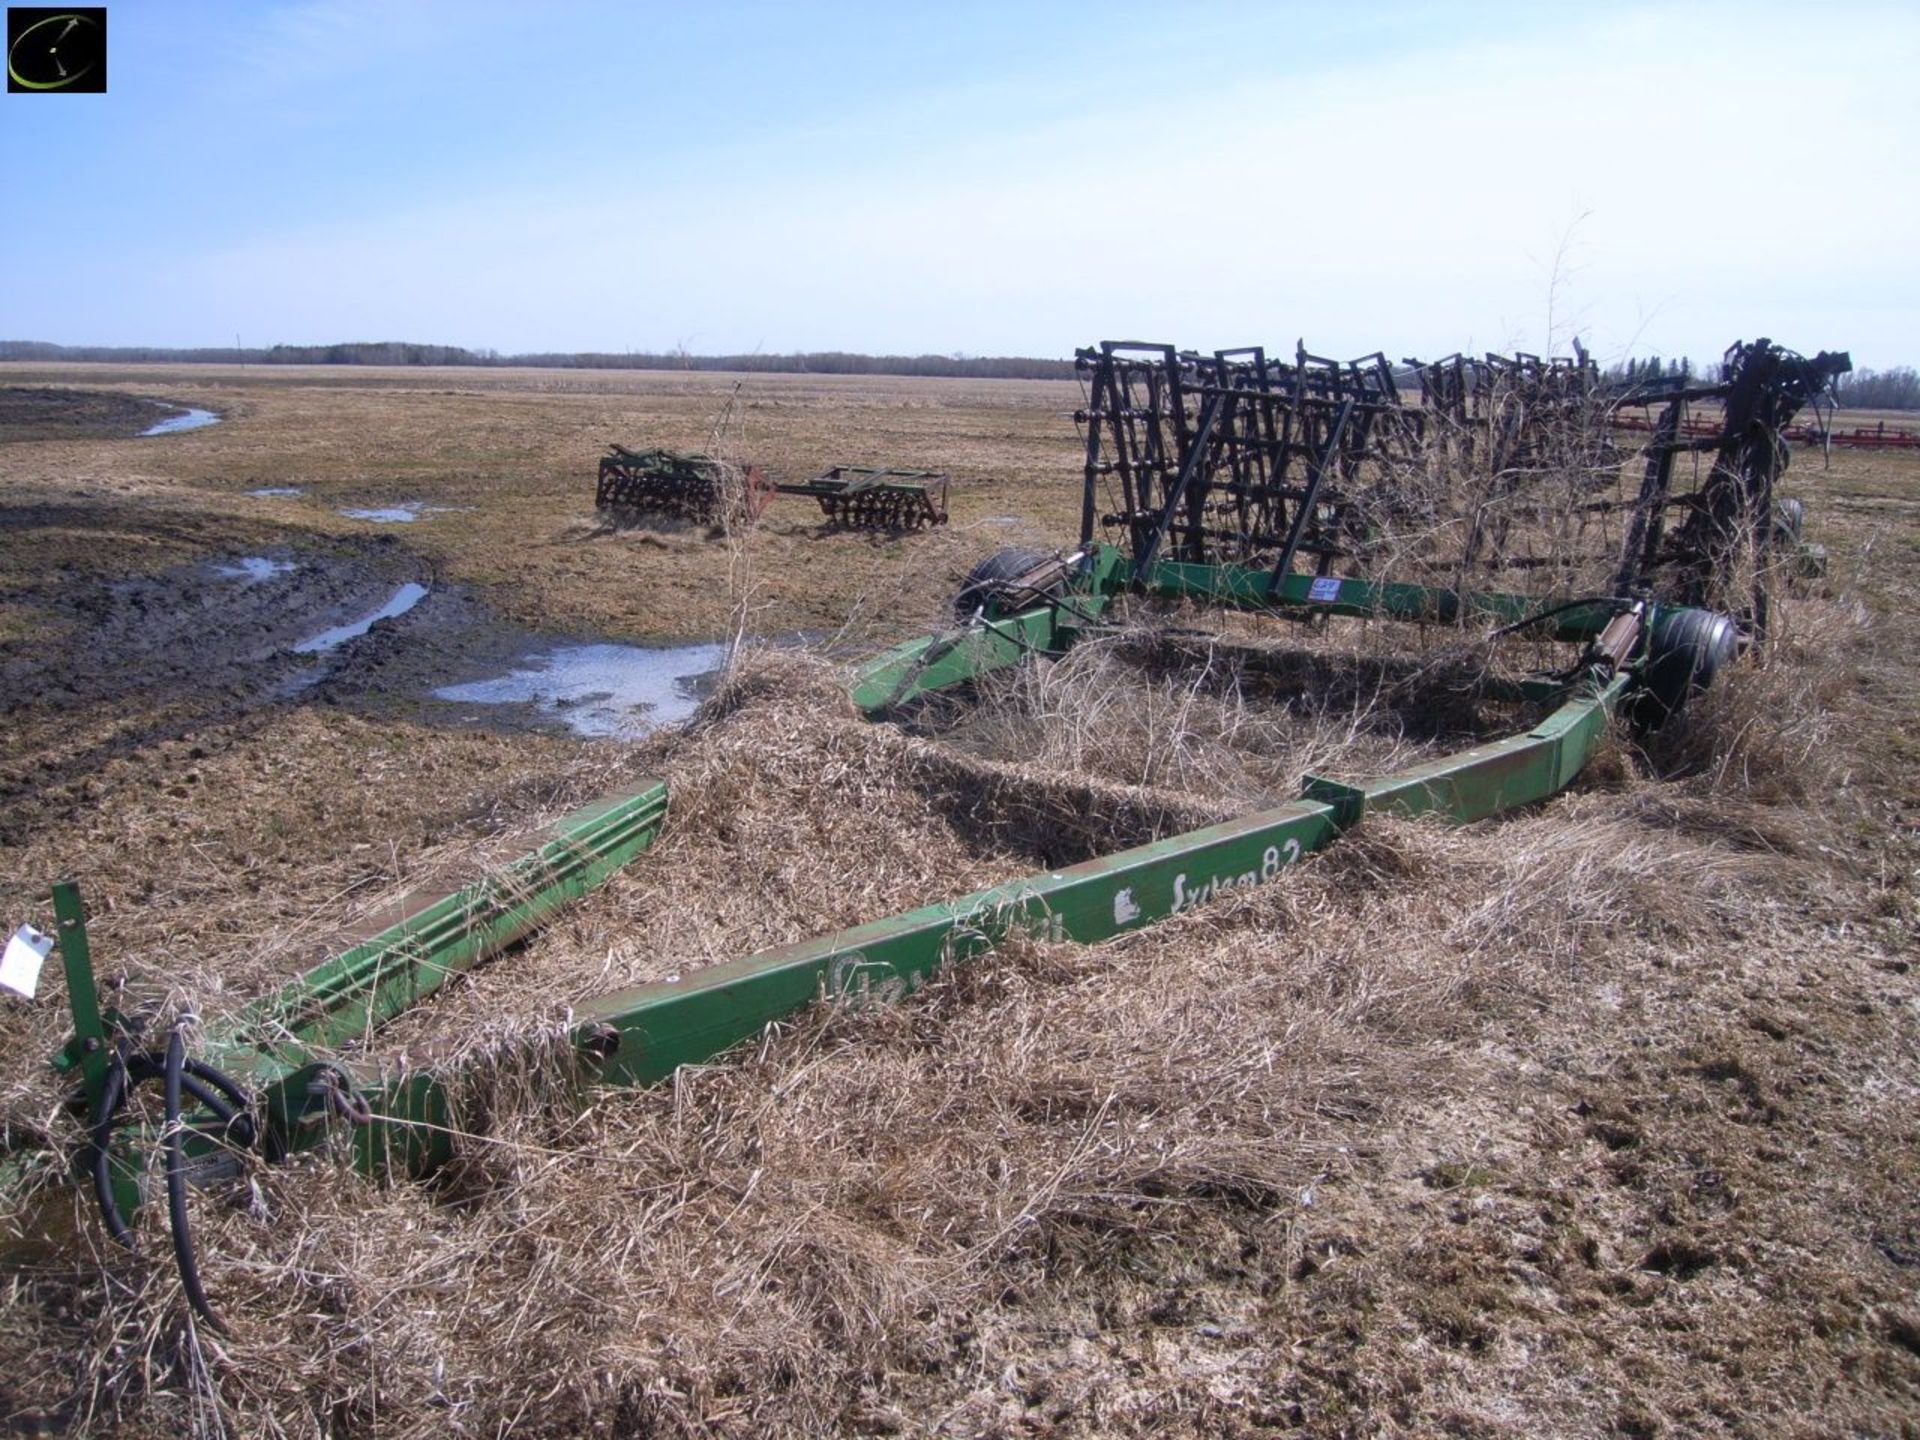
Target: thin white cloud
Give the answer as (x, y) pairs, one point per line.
(1669, 180)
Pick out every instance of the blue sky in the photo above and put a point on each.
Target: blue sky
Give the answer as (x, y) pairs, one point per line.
(984, 178)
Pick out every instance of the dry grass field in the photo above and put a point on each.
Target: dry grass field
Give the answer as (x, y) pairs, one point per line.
(1600, 1119)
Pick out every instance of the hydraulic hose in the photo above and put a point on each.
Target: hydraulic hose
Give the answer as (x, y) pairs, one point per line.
(181, 1078)
(112, 1096)
(175, 1074)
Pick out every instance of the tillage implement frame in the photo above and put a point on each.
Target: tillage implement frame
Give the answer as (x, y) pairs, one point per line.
(1241, 484)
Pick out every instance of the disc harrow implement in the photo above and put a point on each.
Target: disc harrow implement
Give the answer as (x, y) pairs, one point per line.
(693, 487)
(860, 497)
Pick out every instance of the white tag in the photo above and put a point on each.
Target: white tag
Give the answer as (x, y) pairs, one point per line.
(1324, 588)
(20, 965)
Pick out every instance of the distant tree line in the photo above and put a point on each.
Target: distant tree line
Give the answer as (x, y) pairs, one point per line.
(399, 352)
(1895, 389)
(1647, 370)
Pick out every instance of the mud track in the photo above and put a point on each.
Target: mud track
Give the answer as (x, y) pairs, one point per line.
(39, 413)
(212, 643)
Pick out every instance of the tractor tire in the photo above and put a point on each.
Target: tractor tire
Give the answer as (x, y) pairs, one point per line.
(1685, 651)
(986, 578)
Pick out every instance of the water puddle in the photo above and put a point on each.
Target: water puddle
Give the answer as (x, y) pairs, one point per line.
(191, 420)
(404, 599)
(271, 492)
(253, 568)
(395, 514)
(616, 691)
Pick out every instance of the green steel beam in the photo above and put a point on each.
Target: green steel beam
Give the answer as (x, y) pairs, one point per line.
(286, 1046)
(643, 1034)
(931, 663)
(88, 1047)
(940, 662)
(344, 999)
(348, 997)
(1252, 589)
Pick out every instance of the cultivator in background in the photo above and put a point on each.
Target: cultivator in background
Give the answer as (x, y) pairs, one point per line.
(1228, 474)
(701, 488)
(687, 486)
(860, 497)
(1861, 437)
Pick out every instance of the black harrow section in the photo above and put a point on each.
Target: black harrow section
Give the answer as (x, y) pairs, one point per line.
(1235, 457)
(1703, 543)
(1448, 469)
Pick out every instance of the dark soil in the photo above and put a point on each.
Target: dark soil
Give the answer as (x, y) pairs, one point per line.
(155, 658)
(32, 413)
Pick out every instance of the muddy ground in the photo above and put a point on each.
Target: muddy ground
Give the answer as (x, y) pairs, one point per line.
(1598, 1120)
(38, 412)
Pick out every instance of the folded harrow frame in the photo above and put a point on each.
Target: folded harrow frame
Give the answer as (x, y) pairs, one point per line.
(1230, 470)
(1304, 465)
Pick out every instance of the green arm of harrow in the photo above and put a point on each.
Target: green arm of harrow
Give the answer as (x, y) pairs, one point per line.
(346, 998)
(279, 1046)
(940, 662)
(641, 1035)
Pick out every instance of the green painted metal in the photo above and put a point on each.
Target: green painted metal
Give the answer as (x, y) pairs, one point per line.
(346, 998)
(940, 662)
(932, 663)
(287, 1046)
(1252, 589)
(1501, 775)
(281, 1046)
(87, 1049)
(643, 1034)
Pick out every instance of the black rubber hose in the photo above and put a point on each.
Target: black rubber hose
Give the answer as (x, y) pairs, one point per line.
(1535, 619)
(236, 1115)
(183, 1255)
(215, 1096)
(113, 1095)
(222, 1082)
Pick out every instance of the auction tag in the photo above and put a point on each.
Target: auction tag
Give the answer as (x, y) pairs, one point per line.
(1324, 588)
(20, 965)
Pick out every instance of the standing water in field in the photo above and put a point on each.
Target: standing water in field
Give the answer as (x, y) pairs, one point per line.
(617, 691)
(403, 514)
(253, 569)
(404, 599)
(190, 419)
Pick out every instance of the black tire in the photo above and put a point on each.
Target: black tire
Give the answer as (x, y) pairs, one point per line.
(1789, 521)
(1685, 651)
(986, 578)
